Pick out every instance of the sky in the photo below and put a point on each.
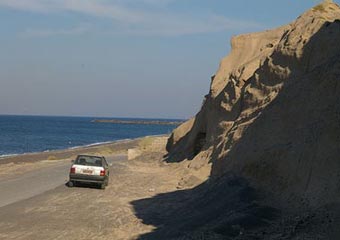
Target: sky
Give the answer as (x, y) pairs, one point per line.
(122, 58)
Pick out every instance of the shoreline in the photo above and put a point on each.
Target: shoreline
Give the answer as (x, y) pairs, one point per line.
(91, 145)
(68, 153)
(106, 148)
(10, 155)
(63, 149)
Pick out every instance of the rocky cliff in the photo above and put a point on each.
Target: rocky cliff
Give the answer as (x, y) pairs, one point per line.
(272, 114)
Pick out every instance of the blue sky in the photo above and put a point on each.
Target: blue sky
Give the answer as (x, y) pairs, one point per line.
(122, 58)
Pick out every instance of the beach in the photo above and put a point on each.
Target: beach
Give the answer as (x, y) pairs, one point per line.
(99, 149)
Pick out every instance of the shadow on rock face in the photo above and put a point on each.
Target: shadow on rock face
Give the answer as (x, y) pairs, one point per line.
(228, 208)
(224, 207)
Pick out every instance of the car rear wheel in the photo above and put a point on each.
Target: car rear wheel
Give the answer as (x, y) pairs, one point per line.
(70, 184)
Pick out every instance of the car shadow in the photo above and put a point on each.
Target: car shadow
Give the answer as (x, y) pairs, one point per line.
(82, 185)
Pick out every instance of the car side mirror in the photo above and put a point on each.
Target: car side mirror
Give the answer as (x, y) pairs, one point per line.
(72, 161)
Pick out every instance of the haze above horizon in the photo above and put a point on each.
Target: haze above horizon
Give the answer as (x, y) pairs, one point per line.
(141, 58)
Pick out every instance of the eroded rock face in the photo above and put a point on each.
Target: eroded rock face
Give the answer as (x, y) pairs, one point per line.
(273, 111)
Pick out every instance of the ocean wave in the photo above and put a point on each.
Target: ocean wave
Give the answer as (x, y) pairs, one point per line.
(8, 155)
(100, 143)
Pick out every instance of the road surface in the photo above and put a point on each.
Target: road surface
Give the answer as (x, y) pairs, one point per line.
(35, 182)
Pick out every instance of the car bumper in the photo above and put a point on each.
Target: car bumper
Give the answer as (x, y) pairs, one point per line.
(87, 178)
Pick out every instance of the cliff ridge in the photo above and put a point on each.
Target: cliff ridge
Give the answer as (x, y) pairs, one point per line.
(273, 111)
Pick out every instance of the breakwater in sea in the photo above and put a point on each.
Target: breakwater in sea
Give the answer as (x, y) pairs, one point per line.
(138, 122)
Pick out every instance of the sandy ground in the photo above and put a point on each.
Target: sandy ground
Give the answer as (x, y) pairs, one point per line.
(86, 212)
(147, 198)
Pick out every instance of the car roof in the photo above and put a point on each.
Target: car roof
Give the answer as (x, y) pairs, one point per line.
(89, 156)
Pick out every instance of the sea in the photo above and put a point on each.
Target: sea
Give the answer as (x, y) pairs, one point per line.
(29, 134)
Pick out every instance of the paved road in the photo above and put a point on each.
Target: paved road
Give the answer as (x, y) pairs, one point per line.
(38, 181)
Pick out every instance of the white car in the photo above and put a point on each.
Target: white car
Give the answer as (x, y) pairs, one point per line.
(89, 169)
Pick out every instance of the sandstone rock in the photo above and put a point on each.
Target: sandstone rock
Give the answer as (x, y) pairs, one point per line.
(273, 111)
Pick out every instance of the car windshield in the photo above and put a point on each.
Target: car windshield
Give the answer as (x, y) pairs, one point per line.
(89, 161)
